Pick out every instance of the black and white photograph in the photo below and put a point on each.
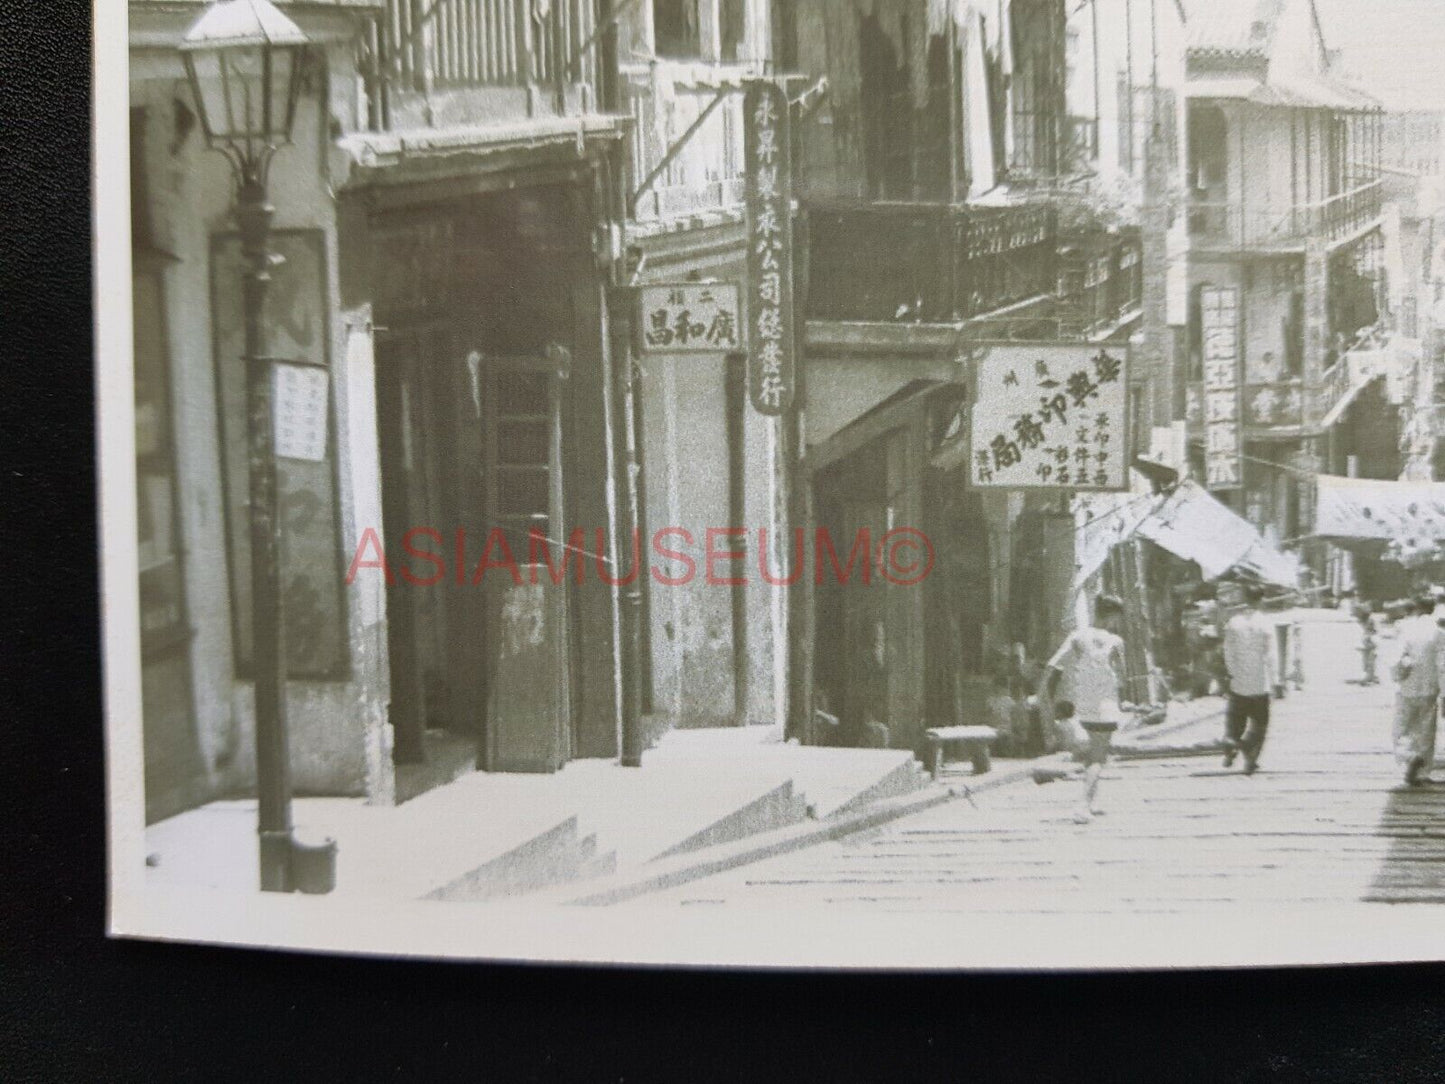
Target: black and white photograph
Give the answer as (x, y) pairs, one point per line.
(864, 484)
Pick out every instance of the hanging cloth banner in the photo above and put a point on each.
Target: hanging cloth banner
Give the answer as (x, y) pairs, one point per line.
(768, 194)
(977, 122)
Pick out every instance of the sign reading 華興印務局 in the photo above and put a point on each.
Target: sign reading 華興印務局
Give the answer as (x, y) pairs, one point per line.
(1050, 416)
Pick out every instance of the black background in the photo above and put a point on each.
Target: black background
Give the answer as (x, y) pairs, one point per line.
(76, 1006)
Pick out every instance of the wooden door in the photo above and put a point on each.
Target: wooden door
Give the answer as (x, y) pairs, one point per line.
(868, 632)
(529, 725)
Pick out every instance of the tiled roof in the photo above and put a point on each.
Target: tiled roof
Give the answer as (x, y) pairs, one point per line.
(1232, 27)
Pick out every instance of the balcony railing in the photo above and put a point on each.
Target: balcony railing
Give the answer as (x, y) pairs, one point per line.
(425, 46)
(1100, 281)
(665, 100)
(1244, 225)
(1294, 403)
(927, 263)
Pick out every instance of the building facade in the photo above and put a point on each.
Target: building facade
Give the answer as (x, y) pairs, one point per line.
(1284, 211)
(191, 437)
(965, 180)
(475, 196)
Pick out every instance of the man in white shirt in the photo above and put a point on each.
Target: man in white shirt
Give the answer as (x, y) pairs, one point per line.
(1087, 673)
(1249, 660)
(1417, 674)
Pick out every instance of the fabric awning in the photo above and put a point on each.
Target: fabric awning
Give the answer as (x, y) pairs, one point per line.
(1193, 525)
(1190, 524)
(1409, 514)
(1101, 522)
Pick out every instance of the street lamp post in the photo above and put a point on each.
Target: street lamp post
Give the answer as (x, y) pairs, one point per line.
(244, 60)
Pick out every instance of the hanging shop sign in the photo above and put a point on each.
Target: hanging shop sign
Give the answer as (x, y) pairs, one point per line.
(769, 198)
(1219, 307)
(1051, 416)
(691, 318)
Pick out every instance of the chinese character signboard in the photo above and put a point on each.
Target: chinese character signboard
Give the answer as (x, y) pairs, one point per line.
(1220, 324)
(770, 248)
(691, 318)
(1051, 416)
(298, 403)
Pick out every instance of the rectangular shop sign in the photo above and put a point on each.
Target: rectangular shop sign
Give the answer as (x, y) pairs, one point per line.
(1051, 416)
(692, 318)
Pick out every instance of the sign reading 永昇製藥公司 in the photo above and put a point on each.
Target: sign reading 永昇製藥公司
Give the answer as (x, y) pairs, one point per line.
(768, 196)
(691, 318)
(299, 414)
(1051, 416)
(1219, 310)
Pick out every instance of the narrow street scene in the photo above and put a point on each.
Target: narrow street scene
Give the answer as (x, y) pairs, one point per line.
(1327, 820)
(927, 455)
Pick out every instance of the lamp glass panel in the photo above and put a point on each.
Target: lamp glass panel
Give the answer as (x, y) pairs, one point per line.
(210, 90)
(244, 89)
(283, 75)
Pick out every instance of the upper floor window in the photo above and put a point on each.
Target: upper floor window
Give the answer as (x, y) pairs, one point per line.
(733, 31)
(676, 28)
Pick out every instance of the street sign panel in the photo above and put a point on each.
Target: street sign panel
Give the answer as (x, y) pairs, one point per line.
(769, 198)
(691, 318)
(1051, 416)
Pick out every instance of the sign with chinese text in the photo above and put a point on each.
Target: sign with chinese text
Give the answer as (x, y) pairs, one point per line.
(1219, 307)
(692, 318)
(769, 199)
(1051, 416)
(298, 404)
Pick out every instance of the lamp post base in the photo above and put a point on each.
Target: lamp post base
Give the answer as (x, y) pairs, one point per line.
(276, 850)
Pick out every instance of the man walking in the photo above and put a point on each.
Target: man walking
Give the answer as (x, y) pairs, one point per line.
(1249, 661)
(1417, 674)
(1082, 685)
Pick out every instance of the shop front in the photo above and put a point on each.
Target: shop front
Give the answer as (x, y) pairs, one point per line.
(496, 451)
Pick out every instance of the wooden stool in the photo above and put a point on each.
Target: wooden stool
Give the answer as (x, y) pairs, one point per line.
(974, 740)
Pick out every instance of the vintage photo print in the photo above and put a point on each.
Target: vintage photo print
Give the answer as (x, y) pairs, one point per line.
(776, 483)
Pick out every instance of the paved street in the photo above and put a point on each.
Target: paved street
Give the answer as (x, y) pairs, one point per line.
(1326, 821)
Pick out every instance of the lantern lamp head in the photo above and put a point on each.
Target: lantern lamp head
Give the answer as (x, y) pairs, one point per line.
(245, 61)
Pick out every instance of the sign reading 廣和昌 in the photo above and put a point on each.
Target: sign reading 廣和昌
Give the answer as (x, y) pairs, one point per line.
(1051, 416)
(691, 318)
(768, 194)
(1219, 312)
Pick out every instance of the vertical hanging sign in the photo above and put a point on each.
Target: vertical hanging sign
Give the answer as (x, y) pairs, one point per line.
(1220, 325)
(769, 197)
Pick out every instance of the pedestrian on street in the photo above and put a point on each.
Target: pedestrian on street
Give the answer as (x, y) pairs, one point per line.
(1369, 649)
(1417, 673)
(1249, 662)
(1082, 686)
